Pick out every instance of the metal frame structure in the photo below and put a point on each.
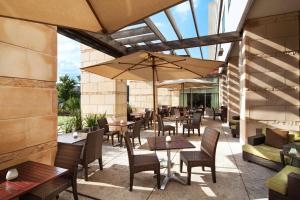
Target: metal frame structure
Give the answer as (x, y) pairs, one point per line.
(142, 37)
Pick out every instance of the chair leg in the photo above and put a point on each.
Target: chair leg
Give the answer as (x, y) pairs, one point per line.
(57, 197)
(213, 173)
(193, 131)
(203, 168)
(112, 140)
(188, 132)
(85, 171)
(189, 172)
(140, 140)
(169, 132)
(183, 131)
(181, 163)
(132, 142)
(198, 131)
(131, 181)
(100, 163)
(158, 178)
(74, 189)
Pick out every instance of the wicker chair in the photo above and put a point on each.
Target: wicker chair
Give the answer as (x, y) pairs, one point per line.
(205, 157)
(67, 156)
(163, 128)
(136, 132)
(194, 124)
(140, 163)
(92, 151)
(147, 119)
(103, 124)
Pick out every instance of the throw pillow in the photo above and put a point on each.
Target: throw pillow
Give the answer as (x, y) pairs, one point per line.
(276, 137)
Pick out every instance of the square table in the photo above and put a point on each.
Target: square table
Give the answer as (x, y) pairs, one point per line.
(122, 125)
(31, 175)
(69, 139)
(177, 142)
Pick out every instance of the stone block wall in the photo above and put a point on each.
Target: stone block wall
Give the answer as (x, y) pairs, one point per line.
(270, 74)
(223, 90)
(28, 97)
(233, 87)
(99, 94)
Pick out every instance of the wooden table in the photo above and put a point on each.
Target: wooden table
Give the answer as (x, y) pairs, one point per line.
(177, 142)
(69, 139)
(31, 175)
(123, 125)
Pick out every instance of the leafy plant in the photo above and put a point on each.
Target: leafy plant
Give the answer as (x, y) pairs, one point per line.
(77, 120)
(72, 105)
(90, 120)
(68, 126)
(101, 116)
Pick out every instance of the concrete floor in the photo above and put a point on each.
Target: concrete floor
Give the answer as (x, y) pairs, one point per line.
(236, 179)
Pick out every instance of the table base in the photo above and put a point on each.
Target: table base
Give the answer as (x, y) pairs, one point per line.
(173, 177)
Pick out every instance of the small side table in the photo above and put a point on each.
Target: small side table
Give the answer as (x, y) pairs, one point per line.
(295, 158)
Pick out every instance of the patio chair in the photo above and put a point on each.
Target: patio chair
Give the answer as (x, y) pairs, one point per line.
(67, 156)
(193, 124)
(163, 128)
(205, 157)
(147, 119)
(92, 151)
(136, 132)
(216, 113)
(142, 162)
(103, 124)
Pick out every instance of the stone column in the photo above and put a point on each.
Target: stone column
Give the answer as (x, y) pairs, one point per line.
(99, 94)
(28, 97)
(270, 72)
(223, 90)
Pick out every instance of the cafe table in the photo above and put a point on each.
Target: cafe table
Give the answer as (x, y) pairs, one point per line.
(31, 175)
(70, 139)
(177, 142)
(123, 125)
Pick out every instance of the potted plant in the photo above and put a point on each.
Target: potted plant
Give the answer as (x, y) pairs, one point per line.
(90, 121)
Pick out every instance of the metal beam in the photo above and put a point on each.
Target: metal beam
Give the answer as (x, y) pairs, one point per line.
(190, 42)
(138, 39)
(175, 27)
(89, 40)
(195, 23)
(131, 32)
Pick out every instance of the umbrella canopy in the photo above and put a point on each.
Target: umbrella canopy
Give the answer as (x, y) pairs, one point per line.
(149, 66)
(185, 84)
(92, 15)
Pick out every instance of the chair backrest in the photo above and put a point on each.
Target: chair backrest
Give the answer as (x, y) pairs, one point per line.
(177, 112)
(129, 147)
(209, 142)
(102, 123)
(147, 116)
(68, 156)
(93, 146)
(137, 128)
(196, 119)
(151, 115)
(160, 123)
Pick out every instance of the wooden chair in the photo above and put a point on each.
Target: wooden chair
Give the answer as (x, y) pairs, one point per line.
(103, 124)
(147, 119)
(163, 128)
(193, 124)
(140, 163)
(205, 157)
(136, 132)
(92, 151)
(67, 156)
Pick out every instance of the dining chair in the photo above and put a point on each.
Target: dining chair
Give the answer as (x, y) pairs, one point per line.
(193, 124)
(142, 162)
(163, 128)
(92, 151)
(147, 119)
(136, 132)
(67, 156)
(103, 124)
(206, 157)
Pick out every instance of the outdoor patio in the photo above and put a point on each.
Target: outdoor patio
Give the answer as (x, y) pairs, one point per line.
(236, 179)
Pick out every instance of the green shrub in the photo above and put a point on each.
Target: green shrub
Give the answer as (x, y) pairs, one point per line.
(90, 120)
(69, 125)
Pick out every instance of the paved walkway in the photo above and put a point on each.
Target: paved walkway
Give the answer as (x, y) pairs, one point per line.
(236, 179)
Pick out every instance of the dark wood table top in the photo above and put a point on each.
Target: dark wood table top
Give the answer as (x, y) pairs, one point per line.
(31, 175)
(177, 142)
(69, 139)
(118, 123)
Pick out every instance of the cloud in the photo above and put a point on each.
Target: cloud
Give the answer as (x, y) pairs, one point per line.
(183, 8)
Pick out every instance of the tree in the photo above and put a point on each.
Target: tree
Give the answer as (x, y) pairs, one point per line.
(66, 88)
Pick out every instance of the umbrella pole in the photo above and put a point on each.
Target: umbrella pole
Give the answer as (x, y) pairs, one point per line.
(154, 95)
(191, 103)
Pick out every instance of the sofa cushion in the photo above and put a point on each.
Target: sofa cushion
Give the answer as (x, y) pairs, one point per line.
(263, 151)
(276, 138)
(278, 183)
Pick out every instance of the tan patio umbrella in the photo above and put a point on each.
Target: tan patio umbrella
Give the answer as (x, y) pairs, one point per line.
(182, 84)
(149, 66)
(105, 16)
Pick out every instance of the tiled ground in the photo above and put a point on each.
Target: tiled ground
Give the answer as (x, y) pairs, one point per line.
(236, 179)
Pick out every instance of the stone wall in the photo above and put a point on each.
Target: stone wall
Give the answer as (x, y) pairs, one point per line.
(28, 100)
(270, 74)
(233, 87)
(141, 95)
(99, 94)
(223, 90)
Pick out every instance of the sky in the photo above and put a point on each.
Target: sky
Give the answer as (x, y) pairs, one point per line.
(69, 50)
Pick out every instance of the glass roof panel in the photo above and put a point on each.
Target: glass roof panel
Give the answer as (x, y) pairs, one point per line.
(184, 19)
(205, 52)
(162, 23)
(156, 41)
(180, 52)
(195, 52)
(205, 9)
(134, 26)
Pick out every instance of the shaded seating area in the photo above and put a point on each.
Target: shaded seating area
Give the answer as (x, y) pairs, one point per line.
(162, 128)
(193, 124)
